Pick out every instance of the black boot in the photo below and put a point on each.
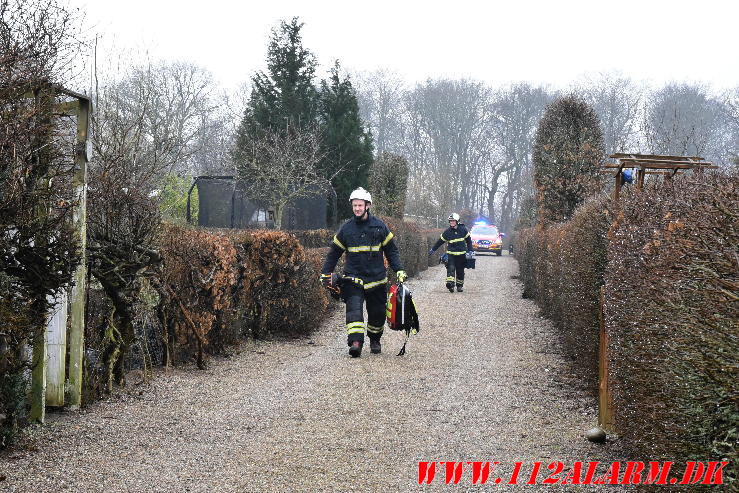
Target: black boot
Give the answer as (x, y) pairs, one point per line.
(375, 346)
(459, 289)
(355, 350)
(450, 287)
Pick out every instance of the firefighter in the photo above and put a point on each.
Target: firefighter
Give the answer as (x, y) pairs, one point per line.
(459, 244)
(364, 239)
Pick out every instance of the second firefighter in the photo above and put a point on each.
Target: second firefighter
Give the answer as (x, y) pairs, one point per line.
(458, 244)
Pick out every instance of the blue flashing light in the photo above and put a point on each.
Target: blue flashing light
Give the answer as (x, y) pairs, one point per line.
(480, 223)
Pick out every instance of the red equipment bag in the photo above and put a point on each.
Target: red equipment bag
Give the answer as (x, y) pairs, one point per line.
(401, 312)
(401, 309)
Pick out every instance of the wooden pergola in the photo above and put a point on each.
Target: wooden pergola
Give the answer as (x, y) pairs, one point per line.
(651, 164)
(57, 349)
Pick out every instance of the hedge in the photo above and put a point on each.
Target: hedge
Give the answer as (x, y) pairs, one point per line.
(668, 258)
(672, 316)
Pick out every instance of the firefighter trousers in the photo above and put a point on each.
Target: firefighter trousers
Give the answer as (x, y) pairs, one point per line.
(455, 270)
(376, 300)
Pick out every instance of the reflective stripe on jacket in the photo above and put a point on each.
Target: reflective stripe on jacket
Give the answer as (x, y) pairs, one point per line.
(364, 243)
(458, 240)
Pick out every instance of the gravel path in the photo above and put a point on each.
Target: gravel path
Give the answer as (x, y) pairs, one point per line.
(482, 381)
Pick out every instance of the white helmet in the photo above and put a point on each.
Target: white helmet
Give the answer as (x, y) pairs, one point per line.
(453, 217)
(361, 194)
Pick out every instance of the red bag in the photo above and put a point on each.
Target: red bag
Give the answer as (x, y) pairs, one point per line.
(401, 309)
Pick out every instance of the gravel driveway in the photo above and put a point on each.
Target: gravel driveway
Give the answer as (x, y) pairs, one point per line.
(482, 381)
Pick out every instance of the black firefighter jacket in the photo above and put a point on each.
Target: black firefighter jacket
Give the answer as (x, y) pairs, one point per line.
(364, 243)
(458, 239)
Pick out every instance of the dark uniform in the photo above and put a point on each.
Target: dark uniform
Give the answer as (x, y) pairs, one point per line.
(364, 243)
(458, 244)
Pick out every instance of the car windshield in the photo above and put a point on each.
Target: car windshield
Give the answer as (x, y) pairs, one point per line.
(485, 230)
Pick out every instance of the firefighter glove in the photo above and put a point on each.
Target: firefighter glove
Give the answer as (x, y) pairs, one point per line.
(401, 275)
(326, 280)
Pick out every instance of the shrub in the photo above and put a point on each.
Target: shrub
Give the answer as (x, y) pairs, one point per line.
(388, 181)
(279, 290)
(411, 243)
(195, 287)
(568, 151)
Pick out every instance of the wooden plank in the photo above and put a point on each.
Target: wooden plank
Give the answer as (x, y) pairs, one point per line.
(666, 173)
(627, 162)
(656, 166)
(37, 413)
(56, 344)
(620, 155)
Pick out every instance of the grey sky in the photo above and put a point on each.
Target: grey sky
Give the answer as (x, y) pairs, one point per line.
(552, 41)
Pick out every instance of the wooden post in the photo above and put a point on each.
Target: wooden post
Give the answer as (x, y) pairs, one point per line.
(617, 187)
(605, 401)
(640, 178)
(76, 339)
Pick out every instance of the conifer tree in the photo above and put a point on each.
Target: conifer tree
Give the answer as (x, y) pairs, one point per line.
(388, 181)
(347, 146)
(285, 96)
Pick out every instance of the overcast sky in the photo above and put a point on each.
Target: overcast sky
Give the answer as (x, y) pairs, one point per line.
(552, 42)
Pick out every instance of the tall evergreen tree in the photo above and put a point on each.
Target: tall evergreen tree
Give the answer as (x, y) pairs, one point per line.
(347, 146)
(285, 96)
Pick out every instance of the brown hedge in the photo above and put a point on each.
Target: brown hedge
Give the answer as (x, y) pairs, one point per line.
(431, 235)
(669, 267)
(562, 269)
(314, 238)
(279, 292)
(411, 243)
(410, 239)
(196, 286)
(673, 319)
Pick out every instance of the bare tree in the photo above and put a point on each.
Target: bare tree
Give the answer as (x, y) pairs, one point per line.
(450, 119)
(730, 134)
(380, 96)
(682, 119)
(155, 118)
(516, 114)
(278, 169)
(617, 101)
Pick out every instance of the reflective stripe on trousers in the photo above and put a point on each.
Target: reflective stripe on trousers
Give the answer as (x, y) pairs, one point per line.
(375, 299)
(455, 270)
